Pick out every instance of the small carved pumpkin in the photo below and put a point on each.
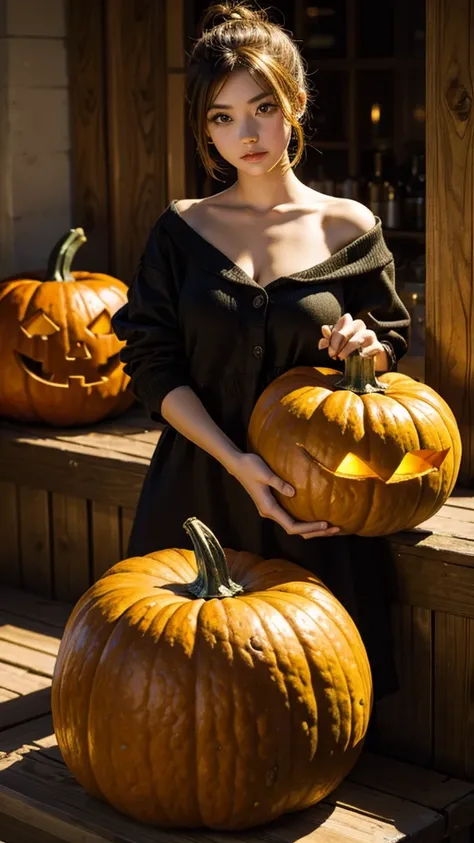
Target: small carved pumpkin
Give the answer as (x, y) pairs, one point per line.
(369, 455)
(59, 357)
(210, 688)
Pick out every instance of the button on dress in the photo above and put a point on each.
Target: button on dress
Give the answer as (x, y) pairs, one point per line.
(195, 318)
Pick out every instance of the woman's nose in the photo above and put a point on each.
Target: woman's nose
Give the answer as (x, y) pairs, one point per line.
(249, 134)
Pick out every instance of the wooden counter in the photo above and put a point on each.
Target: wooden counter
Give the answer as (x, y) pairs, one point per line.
(40, 802)
(67, 501)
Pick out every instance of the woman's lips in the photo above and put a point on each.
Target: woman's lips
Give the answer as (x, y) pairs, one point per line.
(253, 156)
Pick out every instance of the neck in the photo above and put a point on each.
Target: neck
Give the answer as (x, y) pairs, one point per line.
(263, 193)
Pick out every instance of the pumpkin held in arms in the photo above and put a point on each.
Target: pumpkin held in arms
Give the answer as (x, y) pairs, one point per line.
(59, 357)
(369, 455)
(210, 688)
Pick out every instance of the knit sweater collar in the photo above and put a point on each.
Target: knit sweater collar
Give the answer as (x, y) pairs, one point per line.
(365, 254)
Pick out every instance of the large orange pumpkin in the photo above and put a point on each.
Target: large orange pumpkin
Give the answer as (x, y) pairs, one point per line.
(188, 693)
(59, 357)
(369, 455)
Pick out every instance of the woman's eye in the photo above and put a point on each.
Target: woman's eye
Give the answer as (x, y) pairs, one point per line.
(268, 106)
(216, 119)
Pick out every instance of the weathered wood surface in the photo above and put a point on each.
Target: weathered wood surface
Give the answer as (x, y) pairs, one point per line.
(382, 800)
(450, 213)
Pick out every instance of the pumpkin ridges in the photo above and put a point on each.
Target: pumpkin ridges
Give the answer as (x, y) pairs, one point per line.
(298, 699)
(430, 506)
(325, 725)
(131, 724)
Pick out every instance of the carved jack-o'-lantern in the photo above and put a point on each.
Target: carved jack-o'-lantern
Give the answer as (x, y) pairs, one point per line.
(369, 455)
(59, 357)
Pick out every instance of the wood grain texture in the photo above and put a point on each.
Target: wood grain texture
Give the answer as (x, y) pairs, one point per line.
(89, 169)
(35, 540)
(404, 720)
(10, 566)
(136, 125)
(106, 541)
(454, 680)
(70, 557)
(450, 214)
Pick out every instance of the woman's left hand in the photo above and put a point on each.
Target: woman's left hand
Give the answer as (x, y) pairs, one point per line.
(348, 334)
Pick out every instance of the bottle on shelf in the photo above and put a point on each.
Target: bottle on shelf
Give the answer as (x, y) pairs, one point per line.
(416, 194)
(378, 190)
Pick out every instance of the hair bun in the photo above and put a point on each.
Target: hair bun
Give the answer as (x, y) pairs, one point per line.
(221, 13)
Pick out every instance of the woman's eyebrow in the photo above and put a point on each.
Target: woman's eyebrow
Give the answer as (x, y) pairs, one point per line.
(254, 99)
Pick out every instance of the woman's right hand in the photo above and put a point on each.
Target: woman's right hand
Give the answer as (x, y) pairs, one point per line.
(258, 479)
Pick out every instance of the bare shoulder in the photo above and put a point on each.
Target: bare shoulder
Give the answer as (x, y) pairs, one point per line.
(187, 207)
(195, 210)
(350, 219)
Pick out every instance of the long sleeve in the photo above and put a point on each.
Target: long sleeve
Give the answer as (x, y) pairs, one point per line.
(372, 297)
(154, 355)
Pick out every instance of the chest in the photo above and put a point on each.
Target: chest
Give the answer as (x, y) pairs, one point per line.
(274, 250)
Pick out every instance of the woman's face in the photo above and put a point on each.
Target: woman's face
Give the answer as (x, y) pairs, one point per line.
(244, 119)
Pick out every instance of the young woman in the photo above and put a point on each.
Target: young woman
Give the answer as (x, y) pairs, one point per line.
(236, 288)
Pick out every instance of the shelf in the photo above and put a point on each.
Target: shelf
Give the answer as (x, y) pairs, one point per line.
(344, 145)
(399, 234)
(382, 63)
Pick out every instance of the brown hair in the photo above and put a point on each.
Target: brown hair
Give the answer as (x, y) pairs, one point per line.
(236, 36)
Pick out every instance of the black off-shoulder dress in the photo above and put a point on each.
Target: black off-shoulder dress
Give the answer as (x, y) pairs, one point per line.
(195, 318)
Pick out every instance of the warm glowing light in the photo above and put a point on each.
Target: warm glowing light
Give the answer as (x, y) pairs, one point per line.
(352, 466)
(418, 463)
(375, 113)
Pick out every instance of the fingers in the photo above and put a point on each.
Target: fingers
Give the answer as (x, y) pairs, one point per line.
(346, 336)
(269, 508)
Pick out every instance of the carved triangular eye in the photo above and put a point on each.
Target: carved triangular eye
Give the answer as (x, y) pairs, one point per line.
(354, 468)
(351, 467)
(101, 324)
(417, 464)
(39, 325)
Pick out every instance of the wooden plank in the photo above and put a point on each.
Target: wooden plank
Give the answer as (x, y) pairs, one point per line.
(454, 680)
(10, 566)
(36, 732)
(450, 525)
(115, 446)
(442, 548)
(404, 720)
(450, 209)
(126, 522)
(36, 562)
(71, 562)
(136, 108)
(415, 822)
(452, 797)
(32, 660)
(25, 708)
(433, 584)
(42, 637)
(79, 471)
(43, 793)
(88, 130)
(21, 681)
(22, 604)
(106, 543)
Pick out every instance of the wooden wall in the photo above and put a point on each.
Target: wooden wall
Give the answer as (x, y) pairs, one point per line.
(450, 213)
(118, 76)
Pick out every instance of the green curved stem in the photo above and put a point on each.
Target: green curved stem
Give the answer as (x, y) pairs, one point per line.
(62, 255)
(213, 579)
(359, 375)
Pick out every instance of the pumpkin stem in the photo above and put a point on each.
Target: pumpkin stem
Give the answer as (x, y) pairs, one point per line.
(213, 579)
(62, 255)
(359, 375)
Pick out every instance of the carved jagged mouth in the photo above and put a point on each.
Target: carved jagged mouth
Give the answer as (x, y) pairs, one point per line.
(98, 375)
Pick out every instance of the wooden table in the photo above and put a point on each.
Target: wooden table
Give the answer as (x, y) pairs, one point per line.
(382, 801)
(68, 498)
